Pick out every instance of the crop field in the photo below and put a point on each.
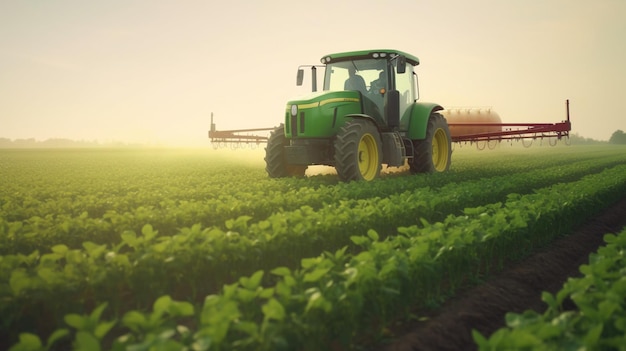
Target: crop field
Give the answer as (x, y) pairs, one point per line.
(596, 321)
(154, 249)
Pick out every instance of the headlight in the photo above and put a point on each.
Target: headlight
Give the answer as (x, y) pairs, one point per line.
(294, 110)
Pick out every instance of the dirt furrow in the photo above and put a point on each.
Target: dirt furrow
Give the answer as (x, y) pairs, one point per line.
(515, 289)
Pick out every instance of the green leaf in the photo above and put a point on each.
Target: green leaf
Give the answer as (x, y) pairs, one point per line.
(103, 328)
(523, 340)
(28, 342)
(273, 310)
(316, 275)
(94, 250)
(290, 281)
(135, 321)
(60, 249)
(317, 301)
(229, 290)
(549, 331)
(86, 342)
(373, 235)
(50, 257)
(480, 340)
(122, 260)
(245, 295)
(129, 238)
(162, 304)
(55, 336)
(19, 281)
(515, 320)
(148, 232)
(281, 271)
(266, 293)
(48, 275)
(217, 316)
(238, 224)
(264, 224)
(610, 238)
(95, 314)
(550, 300)
(283, 290)
(202, 343)
(253, 281)
(360, 240)
(160, 247)
(249, 328)
(310, 262)
(75, 320)
(180, 309)
(593, 335)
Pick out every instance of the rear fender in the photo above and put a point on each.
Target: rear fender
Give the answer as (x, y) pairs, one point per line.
(418, 119)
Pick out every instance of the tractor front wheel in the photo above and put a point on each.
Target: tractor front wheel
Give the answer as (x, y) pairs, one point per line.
(434, 153)
(358, 151)
(275, 161)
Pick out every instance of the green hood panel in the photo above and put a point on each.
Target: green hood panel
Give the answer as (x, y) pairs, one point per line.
(321, 114)
(323, 98)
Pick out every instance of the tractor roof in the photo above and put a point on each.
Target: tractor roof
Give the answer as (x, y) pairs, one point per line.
(368, 54)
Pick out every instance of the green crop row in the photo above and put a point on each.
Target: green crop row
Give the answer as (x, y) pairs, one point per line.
(196, 261)
(336, 297)
(71, 229)
(597, 322)
(51, 205)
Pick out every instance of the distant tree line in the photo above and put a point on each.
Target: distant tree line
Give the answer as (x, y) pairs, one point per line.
(618, 137)
(578, 140)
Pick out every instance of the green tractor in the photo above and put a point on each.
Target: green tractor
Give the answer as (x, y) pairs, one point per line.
(366, 115)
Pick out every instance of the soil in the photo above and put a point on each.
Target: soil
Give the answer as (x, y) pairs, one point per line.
(516, 289)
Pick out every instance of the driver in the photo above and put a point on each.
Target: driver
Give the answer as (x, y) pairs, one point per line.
(354, 81)
(379, 86)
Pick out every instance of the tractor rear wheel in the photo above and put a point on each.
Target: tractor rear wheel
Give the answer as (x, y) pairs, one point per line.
(434, 153)
(358, 151)
(275, 160)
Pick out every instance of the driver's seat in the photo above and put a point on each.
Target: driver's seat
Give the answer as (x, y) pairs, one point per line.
(355, 82)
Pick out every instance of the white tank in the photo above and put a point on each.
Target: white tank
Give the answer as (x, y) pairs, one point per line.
(471, 115)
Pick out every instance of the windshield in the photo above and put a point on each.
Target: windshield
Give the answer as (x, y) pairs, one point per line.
(362, 75)
(372, 79)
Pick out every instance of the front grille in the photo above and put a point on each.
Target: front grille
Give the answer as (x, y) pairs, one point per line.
(294, 126)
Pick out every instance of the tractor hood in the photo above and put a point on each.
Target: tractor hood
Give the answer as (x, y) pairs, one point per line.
(322, 98)
(321, 114)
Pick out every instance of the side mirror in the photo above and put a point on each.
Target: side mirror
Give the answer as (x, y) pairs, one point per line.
(401, 64)
(300, 77)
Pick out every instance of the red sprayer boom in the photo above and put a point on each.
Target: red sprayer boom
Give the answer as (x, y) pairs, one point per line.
(474, 125)
(483, 125)
(235, 138)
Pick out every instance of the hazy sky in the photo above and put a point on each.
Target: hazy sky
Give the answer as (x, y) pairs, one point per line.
(153, 71)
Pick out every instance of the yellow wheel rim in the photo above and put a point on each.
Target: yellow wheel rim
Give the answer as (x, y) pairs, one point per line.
(440, 150)
(368, 157)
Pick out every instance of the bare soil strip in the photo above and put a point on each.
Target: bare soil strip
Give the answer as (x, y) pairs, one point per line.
(516, 289)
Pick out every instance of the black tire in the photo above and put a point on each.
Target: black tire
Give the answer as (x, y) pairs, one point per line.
(434, 153)
(358, 151)
(275, 160)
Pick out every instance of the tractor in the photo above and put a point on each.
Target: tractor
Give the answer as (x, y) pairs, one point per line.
(367, 114)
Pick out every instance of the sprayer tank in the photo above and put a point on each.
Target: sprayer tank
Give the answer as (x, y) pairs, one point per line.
(472, 116)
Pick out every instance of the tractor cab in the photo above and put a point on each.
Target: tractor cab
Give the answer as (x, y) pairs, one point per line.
(386, 85)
